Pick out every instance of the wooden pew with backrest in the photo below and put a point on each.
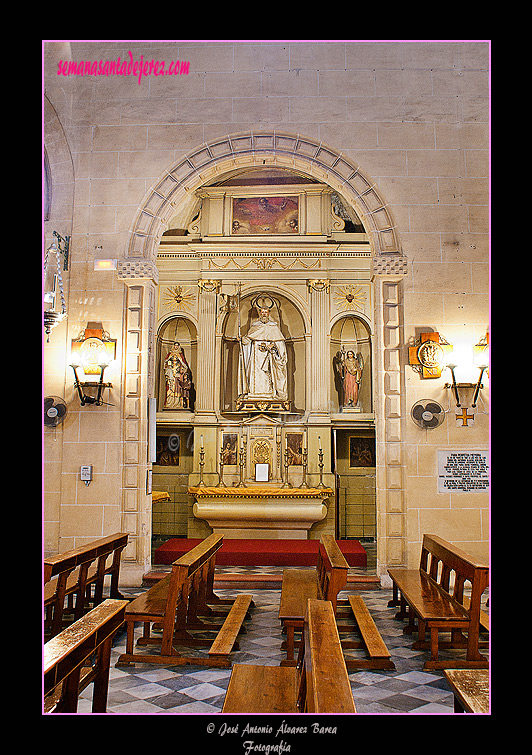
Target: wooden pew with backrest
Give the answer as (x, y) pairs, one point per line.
(178, 604)
(65, 656)
(80, 573)
(318, 684)
(434, 596)
(323, 582)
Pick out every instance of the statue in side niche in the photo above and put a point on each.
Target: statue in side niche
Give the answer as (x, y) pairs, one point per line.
(350, 368)
(178, 379)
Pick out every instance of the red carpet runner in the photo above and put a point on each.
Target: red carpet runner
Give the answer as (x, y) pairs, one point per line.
(262, 552)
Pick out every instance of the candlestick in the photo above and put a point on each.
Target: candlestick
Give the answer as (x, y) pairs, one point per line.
(320, 465)
(286, 483)
(201, 463)
(241, 483)
(304, 481)
(221, 483)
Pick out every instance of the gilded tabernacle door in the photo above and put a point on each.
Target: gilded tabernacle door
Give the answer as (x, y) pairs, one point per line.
(261, 436)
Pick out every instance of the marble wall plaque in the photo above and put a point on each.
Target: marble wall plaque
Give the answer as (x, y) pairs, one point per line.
(463, 471)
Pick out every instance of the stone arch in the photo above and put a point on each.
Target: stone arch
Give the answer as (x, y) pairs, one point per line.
(177, 186)
(59, 173)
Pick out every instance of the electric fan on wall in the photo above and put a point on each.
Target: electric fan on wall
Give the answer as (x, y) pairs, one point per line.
(427, 413)
(55, 410)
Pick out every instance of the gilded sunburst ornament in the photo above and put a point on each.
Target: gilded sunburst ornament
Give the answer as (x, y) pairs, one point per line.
(178, 297)
(350, 297)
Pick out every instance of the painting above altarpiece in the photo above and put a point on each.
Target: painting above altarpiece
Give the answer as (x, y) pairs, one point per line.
(265, 215)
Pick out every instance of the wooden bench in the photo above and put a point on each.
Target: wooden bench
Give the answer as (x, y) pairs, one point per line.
(65, 656)
(434, 596)
(179, 604)
(377, 654)
(324, 582)
(470, 688)
(318, 684)
(484, 619)
(80, 573)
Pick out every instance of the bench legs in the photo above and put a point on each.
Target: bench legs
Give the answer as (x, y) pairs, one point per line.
(458, 641)
(291, 627)
(101, 681)
(395, 596)
(474, 659)
(220, 649)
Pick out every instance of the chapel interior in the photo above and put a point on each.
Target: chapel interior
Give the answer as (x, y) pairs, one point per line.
(275, 330)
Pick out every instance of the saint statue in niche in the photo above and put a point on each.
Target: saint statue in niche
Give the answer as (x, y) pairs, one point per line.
(262, 368)
(350, 368)
(178, 379)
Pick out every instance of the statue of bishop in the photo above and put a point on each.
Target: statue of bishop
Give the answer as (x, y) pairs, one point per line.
(262, 372)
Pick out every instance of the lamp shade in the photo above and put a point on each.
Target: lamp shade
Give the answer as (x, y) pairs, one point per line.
(92, 354)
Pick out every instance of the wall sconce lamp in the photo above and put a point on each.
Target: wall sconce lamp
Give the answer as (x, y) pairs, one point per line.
(466, 360)
(481, 358)
(454, 385)
(53, 282)
(93, 351)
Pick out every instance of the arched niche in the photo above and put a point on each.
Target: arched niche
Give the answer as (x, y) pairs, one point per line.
(292, 325)
(176, 329)
(351, 339)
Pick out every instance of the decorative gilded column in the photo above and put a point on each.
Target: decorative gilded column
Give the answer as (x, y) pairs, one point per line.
(319, 417)
(319, 364)
(206, 382)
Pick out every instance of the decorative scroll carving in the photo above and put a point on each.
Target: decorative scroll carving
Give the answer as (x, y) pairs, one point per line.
(211, 286)
(318, 284)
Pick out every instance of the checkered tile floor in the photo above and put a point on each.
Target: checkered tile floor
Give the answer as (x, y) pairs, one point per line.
(155, 689)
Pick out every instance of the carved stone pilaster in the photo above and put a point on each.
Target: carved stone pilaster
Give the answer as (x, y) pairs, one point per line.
(389, 414)
(137, 376)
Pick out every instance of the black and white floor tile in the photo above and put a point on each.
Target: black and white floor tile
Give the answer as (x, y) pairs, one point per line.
(146, 689)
